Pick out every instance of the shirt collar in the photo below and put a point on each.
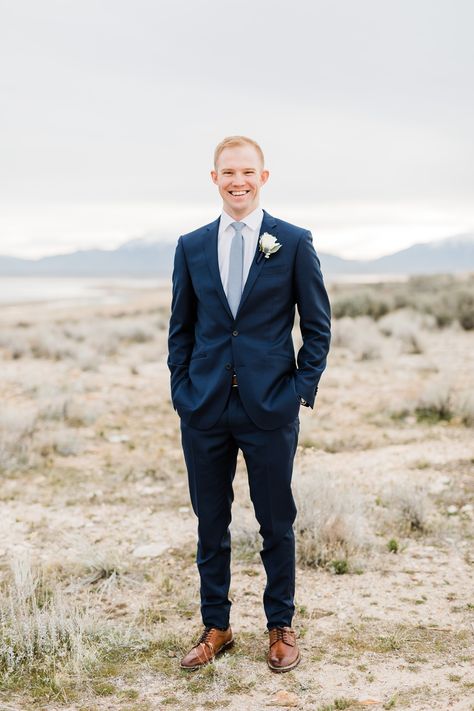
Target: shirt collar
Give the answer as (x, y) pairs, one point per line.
(253, 220)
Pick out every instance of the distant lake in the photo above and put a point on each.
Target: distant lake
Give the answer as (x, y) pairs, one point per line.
(96, 290)
(21, 290)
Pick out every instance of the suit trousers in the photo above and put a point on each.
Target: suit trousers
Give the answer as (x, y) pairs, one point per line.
(211, 457)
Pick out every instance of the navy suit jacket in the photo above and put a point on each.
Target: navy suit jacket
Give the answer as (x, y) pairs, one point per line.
(207, 344)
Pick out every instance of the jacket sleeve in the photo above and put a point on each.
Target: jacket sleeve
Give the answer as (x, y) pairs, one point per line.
(182, 320)
(315, 319)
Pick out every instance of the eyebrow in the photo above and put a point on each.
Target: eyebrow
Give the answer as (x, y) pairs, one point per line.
(230, 170)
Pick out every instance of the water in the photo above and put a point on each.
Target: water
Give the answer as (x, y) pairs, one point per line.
(96, 290)
(22, 290)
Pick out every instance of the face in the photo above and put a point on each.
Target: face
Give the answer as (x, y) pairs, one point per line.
(239, 175)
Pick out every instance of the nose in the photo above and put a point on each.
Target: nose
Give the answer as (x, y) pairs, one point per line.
(239, 179)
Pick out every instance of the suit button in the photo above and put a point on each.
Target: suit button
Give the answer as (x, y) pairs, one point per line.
(228, 366)
(235, 333)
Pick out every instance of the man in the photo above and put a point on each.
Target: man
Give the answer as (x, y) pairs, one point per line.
(235, 385)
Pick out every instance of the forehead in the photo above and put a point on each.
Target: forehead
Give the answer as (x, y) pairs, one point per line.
(239, 157)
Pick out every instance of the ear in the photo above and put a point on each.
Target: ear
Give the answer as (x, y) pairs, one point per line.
(264, 175)
(214, 176)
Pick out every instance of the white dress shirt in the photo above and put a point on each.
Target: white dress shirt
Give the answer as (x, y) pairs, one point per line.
(250, 233)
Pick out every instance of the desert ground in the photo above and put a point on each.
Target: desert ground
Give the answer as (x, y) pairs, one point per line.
(99, 590)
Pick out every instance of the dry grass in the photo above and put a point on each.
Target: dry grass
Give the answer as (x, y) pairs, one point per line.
(407, 326)
(409, 641)
(359, 336)
(92, 471)
(17, 426)
(408, 507)
(447, 299)
(331, 525)
(438, 402)
(43, 634)
(52, 647)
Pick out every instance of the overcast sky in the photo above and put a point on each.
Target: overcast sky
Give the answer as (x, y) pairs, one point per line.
(110, 111)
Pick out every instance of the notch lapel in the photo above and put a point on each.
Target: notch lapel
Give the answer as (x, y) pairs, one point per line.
(268, 223)
(212, 230)
(213, 263)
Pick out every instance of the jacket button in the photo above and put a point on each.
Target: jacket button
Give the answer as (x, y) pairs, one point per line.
(228, 366)
(235, 333)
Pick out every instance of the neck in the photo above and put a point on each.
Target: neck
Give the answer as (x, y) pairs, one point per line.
(242, 215)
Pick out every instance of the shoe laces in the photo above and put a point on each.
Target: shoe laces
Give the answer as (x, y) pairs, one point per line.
(281, 634)
(204, 638)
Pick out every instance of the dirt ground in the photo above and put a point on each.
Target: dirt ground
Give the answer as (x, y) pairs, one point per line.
(98, 497)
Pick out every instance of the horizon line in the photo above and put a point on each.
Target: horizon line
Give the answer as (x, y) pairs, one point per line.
(450, 237)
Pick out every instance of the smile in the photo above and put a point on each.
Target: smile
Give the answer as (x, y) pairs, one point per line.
(237, 193)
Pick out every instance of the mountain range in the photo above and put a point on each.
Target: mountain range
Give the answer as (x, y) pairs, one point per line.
(144, 257)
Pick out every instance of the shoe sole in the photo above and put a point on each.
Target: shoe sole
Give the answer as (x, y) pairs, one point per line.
(280, 670)
(224, 647)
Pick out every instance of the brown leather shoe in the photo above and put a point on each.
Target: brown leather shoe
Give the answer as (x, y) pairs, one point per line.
(283, 654)
(211, 643)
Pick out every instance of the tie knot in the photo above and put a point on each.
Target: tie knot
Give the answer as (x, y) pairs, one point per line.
(238, 226)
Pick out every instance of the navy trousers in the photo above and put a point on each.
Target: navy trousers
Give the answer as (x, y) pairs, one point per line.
(211, 457)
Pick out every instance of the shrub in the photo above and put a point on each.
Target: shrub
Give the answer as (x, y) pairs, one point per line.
(359, 335)
(466, 409)
(409, 508)
(436, 404)
(392, 545)
(17, 426)
(444, 298)
(362, 303)
(406, 325)
(330, 525)
(39, 632)
(52, 648)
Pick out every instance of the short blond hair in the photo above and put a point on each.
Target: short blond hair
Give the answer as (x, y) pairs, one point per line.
(232, 142)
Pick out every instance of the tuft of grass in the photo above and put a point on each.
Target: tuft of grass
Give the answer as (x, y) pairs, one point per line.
(330, 526)
(44, 639)
(436, 404)
(64, 442)
(392, 545)
(339, 704)
(408, 506)
(103, 566)
(406, 325)
(360, 336)
(246, 542)
(466, 409)
(405, 640)
(340, 567)
(17, 426)
(50, 648)
(80, 414)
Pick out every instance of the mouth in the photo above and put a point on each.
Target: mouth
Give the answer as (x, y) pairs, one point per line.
(238, 193)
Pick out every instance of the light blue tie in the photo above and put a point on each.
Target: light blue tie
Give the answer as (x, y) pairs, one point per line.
(236, 268)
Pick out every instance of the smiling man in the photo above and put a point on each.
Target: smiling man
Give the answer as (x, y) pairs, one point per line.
(236, 385)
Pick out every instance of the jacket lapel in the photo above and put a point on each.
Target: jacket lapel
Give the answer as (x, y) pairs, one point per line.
(212, 230)
(268, 224)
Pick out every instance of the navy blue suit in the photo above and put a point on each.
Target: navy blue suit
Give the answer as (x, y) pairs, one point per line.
(207, 345)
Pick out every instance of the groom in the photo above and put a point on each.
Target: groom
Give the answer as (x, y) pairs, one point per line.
(235, 385)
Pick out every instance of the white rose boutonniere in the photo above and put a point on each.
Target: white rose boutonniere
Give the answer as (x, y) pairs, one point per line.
(268, 245)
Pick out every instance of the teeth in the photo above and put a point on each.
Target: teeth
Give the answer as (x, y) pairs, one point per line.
(240, 192)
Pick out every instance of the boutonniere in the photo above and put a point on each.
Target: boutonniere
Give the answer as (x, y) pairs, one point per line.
(268, 245)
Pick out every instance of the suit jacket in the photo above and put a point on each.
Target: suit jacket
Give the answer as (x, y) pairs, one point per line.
(207, 344)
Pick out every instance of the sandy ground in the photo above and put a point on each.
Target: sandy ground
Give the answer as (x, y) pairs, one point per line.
(397, 631)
